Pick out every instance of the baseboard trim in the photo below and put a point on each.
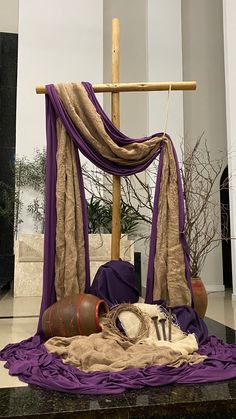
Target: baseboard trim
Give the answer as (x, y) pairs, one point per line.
(215, 288)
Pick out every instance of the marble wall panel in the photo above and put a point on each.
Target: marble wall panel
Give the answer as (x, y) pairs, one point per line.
(29, 260)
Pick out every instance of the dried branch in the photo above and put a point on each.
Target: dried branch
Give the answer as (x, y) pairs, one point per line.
(201, 184)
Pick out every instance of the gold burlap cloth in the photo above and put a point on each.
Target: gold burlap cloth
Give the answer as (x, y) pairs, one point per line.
(107, 352)
(169, 267)
(70, 253)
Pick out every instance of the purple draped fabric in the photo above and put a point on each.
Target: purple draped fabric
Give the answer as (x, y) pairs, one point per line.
(152, 247)
(190, 322)
(29, 359)
(49, 295)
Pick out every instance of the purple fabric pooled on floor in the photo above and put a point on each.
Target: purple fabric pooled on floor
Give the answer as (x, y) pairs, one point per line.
(30, 361)
(115, 283)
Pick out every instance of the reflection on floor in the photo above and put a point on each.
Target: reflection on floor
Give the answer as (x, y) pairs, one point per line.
(19, 317)
(222, 308)
(18, 321)
(14, 330)
(19, 307)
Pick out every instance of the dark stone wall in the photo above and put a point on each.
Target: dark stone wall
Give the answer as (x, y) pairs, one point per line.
(225, 229)
(8, 79)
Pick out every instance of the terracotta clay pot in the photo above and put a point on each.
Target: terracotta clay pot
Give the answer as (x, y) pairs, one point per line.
(76, 315)
(200, 298)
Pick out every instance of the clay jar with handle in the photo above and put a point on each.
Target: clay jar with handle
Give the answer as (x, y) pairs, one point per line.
(75, 315)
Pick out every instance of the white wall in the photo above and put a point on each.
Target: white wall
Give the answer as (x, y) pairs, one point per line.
(58, 42)
(164, 64)
(229, 11)
(133, 63)
(9, 16)
(204, 110)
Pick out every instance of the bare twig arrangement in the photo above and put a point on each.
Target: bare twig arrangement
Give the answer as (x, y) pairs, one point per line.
(201, 185)
(135, 193)
(203, 210)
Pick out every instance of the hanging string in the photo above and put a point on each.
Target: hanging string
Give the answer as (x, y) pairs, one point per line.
(167, 112)
(165, 139)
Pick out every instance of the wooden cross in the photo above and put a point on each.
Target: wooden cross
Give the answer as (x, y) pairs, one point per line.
(115, 88)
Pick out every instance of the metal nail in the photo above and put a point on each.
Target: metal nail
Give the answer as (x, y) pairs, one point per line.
(162, 321)
(169, 323)
(155, 319)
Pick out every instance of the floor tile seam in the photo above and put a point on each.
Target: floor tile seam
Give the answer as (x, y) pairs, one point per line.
(20, 317)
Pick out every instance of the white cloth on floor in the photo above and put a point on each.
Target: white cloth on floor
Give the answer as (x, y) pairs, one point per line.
(180, 342)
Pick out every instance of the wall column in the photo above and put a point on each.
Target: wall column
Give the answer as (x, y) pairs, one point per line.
(229, 19)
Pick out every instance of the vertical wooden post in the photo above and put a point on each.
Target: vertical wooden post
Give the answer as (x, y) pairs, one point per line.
(115, 112)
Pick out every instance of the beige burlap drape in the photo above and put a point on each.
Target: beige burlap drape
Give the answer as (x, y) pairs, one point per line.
(169, 266)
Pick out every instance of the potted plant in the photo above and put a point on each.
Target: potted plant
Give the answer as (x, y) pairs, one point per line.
(28, 174)
(100, 217)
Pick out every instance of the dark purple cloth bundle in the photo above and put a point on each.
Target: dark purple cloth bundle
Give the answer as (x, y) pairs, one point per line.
(114, 282)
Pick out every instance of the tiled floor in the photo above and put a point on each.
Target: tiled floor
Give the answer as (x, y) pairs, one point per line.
(19, 317)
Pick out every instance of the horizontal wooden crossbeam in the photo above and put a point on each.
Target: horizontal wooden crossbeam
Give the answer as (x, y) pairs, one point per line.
(137, 87)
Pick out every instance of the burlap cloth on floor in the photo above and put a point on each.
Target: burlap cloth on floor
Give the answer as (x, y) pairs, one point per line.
(107, 351)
